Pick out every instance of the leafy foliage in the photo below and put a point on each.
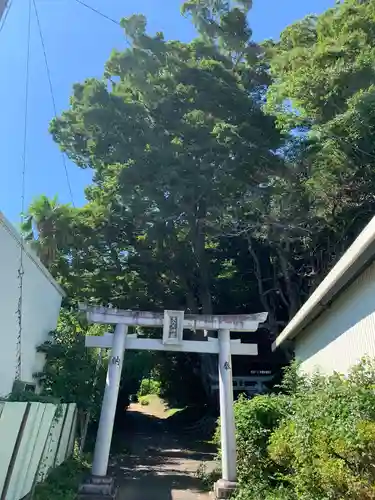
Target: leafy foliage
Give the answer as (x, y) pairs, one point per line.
(46, 227)
(149, 386)
(63, 377)
(255, 421)
(208, 478)
(315, 442)
(30, 397)
(172, 159)
(322, 87)
(228, 176)
(62, 482)
(72, 373)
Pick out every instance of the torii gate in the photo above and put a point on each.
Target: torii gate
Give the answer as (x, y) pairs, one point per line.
(173, 323)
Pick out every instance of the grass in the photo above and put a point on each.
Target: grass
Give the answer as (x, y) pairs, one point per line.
(173, 411)
(156, 402)
(208, 478)
(211, 442)
(63, 482)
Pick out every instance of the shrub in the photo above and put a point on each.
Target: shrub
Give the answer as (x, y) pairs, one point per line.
(313, 441)
(72, 373)
(327, 444)
(207, 477)
(63, 482)
(144, 401)
(256, 419)
(149, 386)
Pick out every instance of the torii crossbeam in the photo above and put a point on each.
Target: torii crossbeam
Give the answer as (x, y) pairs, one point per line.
(173, 324)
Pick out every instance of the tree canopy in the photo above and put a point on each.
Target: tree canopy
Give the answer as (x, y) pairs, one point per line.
(228, 176)
(174, 133)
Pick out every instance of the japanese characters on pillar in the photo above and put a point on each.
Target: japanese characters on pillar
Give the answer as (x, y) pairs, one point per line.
(173, 327)
(115, 360)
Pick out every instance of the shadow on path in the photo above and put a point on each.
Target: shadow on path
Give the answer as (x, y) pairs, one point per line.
(152, 463)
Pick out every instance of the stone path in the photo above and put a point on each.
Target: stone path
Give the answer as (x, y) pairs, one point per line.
(157, 465)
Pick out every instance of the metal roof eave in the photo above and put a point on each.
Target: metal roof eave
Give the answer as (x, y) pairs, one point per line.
(358, 256)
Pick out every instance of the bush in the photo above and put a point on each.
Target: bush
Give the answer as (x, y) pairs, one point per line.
(207, 478)
(66, 380)
(149, 386)
(256, 419)
(144, 401)
(313, 441)
(327, 444)
(63, 482)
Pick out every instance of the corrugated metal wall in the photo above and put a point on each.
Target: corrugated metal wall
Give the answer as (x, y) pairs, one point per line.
(344, 333)
(34, 438)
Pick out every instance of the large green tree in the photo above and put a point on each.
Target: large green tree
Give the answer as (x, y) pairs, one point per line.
(323, 86)
(228, 176)
(175, 135)
(321, 94)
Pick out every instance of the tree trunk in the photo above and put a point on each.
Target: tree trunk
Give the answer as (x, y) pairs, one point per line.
(292, 297)
(197, 231)
(208, 363)
(84, 428)
(272, 324)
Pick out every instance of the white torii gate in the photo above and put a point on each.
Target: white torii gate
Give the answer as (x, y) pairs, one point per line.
(173, 324)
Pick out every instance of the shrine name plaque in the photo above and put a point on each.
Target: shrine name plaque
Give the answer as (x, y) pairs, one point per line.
(173, 327)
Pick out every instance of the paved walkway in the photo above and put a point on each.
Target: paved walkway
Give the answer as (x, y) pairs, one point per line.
(157, 464)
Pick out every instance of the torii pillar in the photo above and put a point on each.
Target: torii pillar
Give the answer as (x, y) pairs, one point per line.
(100, 486)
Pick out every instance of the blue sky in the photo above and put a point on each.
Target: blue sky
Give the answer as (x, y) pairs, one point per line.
(78, 42)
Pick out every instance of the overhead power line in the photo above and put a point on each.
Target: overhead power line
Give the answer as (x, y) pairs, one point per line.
(98, 12)
(104, 16)
(52, 97)
(26, 112)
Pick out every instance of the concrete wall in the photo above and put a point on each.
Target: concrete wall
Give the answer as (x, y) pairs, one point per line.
(344, 333)
(35, 438)
(40, 308)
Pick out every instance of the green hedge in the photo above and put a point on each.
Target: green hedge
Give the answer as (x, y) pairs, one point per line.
(313, 441)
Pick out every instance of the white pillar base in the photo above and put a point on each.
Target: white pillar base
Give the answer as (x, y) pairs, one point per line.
(98, 488)
(224, 489)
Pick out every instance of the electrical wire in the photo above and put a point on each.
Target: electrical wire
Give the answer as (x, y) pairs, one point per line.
(98, 12)
(89, 7)
(21, 271)
(52, 97)
(6, 15)
(26, 113)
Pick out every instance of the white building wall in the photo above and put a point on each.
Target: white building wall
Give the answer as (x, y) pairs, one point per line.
(40, 308)
(344, 332)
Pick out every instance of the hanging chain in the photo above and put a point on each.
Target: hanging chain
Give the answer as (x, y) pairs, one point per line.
(21, 271)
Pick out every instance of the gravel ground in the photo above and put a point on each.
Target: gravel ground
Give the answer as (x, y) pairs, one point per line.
(151, 463)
